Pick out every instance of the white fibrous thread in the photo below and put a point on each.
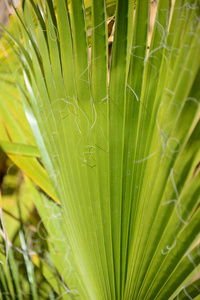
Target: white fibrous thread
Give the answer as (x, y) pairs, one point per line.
(89, 148)
(136, 96)
(137, 56)
(77, 111)
(187, 69)
(162, 133)
(89, 64)
(193, 100)
(162, 33)
(54, 177)
(103, 100)
(4, 234)
(48, 225)
(186, 293)
(172, 143)
(176, 141)
(100, 24)
(145, 158)
(195, 34)
(143, 58)
(56, 33)
(189, 255)
(9, 168)
(65, 279)
(177, 207)
(169, 248)
(162, 45)
(95, 115)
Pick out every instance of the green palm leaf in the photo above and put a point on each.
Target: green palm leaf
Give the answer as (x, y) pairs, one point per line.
(119, 146)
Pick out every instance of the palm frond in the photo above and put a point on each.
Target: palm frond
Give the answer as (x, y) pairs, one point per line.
(119, 146)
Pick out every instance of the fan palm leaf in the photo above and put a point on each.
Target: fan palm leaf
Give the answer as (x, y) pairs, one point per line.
(119, 146)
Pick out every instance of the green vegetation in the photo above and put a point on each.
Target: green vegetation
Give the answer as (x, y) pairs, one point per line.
(106, 203)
